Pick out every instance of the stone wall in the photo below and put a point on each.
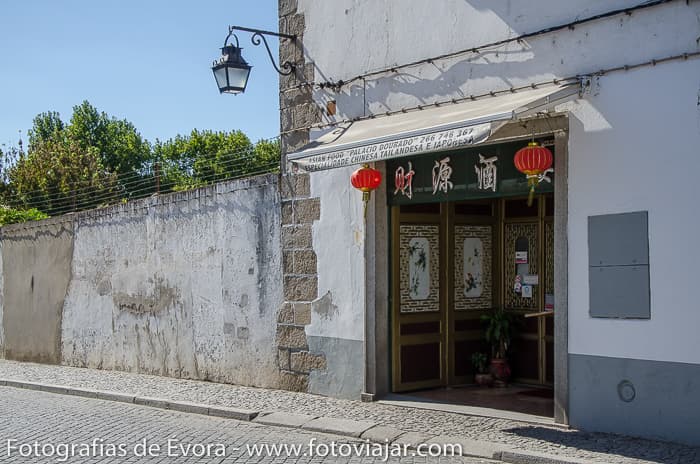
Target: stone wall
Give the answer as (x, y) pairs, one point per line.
(184, 285)
(300, 281)
(299, 211)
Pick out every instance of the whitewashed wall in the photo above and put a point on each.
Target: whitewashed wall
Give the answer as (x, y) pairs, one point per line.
(184, 285)
(634, 147)
(346, 38)
(338, 239)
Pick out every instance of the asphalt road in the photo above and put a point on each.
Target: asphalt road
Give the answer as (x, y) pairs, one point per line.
(49, 428)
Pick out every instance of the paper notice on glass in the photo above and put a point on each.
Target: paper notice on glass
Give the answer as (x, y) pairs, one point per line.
(531, 279)
(521, 257)
(526, 291)
(549, 302)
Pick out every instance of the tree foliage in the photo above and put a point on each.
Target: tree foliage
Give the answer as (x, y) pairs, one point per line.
(12, 216)
(204, 157)
(57, 175)
(96, 159)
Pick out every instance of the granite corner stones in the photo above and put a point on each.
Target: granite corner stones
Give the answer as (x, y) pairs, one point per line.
(299, 211)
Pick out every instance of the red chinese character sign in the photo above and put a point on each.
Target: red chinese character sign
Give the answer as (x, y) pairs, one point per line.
(366, 180)
(403, 180)
(535, 162)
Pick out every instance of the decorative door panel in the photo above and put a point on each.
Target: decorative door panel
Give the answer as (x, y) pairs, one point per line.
(473, 277)
(419, 327)
(419, 268)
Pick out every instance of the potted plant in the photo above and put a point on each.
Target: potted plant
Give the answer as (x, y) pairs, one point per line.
(482, 377)
(499, 330)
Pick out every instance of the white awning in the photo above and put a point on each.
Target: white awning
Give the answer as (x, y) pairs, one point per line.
(429, 130)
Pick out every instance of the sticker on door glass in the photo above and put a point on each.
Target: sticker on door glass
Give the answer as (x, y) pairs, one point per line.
(473, 267)
(419, 268)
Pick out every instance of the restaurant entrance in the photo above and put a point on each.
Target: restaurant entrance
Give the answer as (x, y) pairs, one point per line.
(454, 261)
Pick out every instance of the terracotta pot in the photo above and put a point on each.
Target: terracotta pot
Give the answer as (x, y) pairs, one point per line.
(483, 380)
(500, 370)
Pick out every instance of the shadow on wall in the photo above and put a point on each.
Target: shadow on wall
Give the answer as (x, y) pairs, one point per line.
(561, 54)
(611, 444)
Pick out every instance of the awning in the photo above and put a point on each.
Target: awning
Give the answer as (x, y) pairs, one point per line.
(440, 128)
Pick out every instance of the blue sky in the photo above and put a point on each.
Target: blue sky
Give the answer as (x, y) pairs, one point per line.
(148, 61)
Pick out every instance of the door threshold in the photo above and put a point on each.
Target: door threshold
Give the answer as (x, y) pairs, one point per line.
(408, 401)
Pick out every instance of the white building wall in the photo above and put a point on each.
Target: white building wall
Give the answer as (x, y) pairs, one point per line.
(634, 147)
(347, 38)
(337, 322)
(338, 239)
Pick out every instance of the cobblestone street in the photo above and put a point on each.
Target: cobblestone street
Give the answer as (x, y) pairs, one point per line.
(52, 420)
(595, 447)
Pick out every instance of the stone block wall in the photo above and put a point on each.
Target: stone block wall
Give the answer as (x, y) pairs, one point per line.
(300, 283)
(299, 211)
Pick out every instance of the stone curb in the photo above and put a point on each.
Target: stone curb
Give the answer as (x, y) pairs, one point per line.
(159, 403)
(343, 427)
(533, 457)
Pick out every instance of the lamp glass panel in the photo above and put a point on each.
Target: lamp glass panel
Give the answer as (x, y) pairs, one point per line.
(238, 77)
(220, 76)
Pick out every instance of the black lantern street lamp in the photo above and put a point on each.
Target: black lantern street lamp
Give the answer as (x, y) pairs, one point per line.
(231, 71)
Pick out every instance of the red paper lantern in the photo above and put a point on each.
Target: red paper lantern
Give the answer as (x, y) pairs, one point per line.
(533, 161)
(366, 180)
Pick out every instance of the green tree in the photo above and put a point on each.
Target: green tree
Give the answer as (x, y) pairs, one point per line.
(121, 148)
(12, 216)
(206, 157)
(56, 177)
(46, 126)
(96, 159)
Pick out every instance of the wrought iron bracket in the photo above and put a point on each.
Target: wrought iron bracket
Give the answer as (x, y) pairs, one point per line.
(258, 36)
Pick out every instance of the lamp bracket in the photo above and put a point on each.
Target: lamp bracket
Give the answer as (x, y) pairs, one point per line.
(258, 36)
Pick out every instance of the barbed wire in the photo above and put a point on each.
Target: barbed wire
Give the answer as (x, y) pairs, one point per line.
(140, 204)
(235, 165)
(206, 181)
(131, 178)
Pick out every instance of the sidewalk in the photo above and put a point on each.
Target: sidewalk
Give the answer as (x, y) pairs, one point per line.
(523, 441)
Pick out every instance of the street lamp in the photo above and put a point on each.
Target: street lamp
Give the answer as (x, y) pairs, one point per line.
(231, 71)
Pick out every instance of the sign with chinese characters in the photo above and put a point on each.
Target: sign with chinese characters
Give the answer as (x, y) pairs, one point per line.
(442, 172)
(470, 173)
(487, 173)
(403, 180)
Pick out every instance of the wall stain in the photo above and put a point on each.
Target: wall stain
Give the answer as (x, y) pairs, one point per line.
(162, 298)
(324, 307)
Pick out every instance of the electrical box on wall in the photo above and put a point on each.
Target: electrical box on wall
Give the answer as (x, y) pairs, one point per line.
(618, 260)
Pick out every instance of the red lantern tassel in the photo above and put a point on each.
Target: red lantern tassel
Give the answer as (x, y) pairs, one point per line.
(531, 196)
(365, 200)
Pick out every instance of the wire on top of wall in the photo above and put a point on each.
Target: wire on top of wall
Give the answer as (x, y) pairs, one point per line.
(133, 186)
(337, 85)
